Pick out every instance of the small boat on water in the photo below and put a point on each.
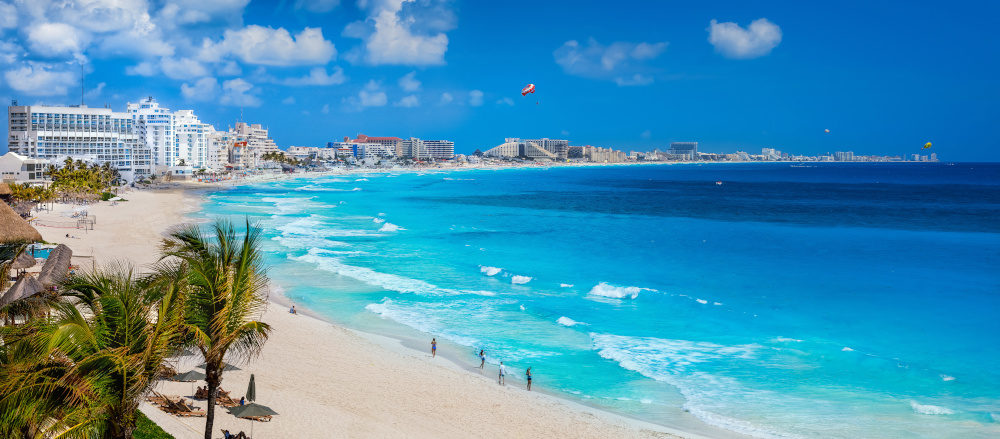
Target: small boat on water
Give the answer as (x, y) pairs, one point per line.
(718, 183)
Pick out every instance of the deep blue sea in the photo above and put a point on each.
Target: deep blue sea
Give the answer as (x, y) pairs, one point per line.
(833, 301)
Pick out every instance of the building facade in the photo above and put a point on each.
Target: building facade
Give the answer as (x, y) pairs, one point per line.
(683, 150)
(95, 135)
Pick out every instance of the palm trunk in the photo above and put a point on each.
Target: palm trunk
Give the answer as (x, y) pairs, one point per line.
(213, 377)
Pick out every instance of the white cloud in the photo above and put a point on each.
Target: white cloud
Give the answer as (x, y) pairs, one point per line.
(636, 79)
(404, 32)
(289, 100)
(144, 68)
(56, 39)
(318, 76)
(205, 89)
(325, 109)
(273, 47)
(8, 16)
(236, 92)
(95, 92)
(39, 79)
(446, 98)
(733, 41)
(10, 52)
(230, 69)
(185, 12)
(182, 68)
(624, 63)
(408, 101)
(409, 82)
(372, 95)
(317, 6)
(475, 98)
(505, 101)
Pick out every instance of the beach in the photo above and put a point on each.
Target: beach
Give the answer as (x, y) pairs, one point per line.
(326, 380)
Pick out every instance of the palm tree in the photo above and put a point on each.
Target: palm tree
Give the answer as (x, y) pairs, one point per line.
(84, 372)
(226, 277)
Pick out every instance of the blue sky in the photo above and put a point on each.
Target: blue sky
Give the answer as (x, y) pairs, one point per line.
(883, 77)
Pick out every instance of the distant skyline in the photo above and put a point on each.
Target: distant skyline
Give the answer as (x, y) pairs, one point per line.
(883, 78)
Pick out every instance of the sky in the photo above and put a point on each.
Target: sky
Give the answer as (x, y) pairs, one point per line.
(883, 77)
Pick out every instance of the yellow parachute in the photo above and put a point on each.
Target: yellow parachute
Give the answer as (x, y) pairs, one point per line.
(927, 145)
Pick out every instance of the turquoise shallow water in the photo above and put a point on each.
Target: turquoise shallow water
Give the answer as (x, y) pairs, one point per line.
(838, 300)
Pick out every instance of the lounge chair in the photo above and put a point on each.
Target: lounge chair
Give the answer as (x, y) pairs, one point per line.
(182, 408)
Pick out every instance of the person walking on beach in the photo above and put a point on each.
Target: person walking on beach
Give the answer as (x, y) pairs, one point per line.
(503, 371)
(434, 347)
(482, 359)
(528, 373)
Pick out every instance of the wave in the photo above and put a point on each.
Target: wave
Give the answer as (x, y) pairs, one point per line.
(520, 280)
(566, 321)
(390, 227)
(604, 289)
(489, 271)
(291, 205)
(680, 363)
(786, 340)
(926, 409)
(385, 281)
(378, 220)
(701, 301)
(947, 377)
(847, 349)
(565, 285)
(361, 179)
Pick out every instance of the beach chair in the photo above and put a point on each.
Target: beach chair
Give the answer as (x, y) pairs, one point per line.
(157, 399)
(182, 408)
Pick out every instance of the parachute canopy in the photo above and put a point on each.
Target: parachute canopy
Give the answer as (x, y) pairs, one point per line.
(927, 145)
(530, 88)
(827, 131)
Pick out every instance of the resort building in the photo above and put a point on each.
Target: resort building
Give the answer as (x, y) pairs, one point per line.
(155, 127)
(395, 144)
(515, 147)
(372, 151)
(193, 139)
(94, 135)
(683, 151)
(418, 149)
(16, 168)
(558, 147)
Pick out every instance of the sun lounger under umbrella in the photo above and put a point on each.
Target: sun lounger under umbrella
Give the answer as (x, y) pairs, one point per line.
(191, 375)
(254, 412)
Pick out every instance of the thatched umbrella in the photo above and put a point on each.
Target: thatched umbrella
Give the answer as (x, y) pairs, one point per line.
(24, 288)
(5, 190)
(14, 229)
(23, 260)
(56, 266)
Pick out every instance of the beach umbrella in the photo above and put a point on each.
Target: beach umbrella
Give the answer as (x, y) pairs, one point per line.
(23, 260)
(56, 267)
(24, 288)
(251, 390)
(226, 367)
(14, 229)
(252, 410)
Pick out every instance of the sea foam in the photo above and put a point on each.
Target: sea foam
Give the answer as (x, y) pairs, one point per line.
(926, 409)
(489, 271)
(604, 289)
(566, 321)
(520, 280)
(390, 227)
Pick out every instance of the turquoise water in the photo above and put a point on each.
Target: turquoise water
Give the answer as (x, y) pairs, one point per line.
(838, 300)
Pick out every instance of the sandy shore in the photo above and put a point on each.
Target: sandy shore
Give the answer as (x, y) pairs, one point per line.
(328, 381)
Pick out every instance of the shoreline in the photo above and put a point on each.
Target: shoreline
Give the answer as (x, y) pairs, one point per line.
(442, 399)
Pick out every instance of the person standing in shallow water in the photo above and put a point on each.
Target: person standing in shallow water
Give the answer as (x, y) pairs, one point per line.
(503, 371)
(434, 347)
(528, 373)
(482, 359)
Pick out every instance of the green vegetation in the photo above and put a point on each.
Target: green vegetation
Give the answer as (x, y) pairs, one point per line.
(280, 157)
(80, 367)
(147, 429)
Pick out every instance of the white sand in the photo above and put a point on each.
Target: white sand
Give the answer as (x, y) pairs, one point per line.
(328, 381)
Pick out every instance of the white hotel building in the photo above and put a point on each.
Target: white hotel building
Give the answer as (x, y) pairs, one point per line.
(96, 135)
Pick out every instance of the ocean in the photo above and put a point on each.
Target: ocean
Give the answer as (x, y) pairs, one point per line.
(833, 300)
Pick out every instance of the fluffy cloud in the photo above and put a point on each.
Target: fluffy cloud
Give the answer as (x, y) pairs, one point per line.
(273, 47)
(475, 98)
(408, 101)
(372, 95)
(237, 92)
(446, 98)
(506, 101)
(182, 68)
(404, 32)
(733, 41)
(205, 89)
(185, 12)
(95, 92)
(289, 100)
(325, 109)
(56, 39)
(409, 82)
(10, 52)
(317, 6)
(621, 62)
(318, 76)
(144, 68)
(40, 79)
(8, 16)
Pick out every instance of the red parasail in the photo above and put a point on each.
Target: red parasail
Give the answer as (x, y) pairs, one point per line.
(530, 88)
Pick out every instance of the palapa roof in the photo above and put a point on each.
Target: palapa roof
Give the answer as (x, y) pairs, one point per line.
(23, 260)
(56, 266)
(24, 288)
(5, 189)
(14, 229)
